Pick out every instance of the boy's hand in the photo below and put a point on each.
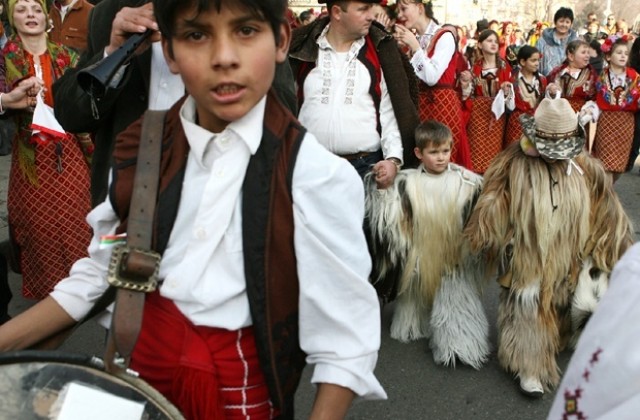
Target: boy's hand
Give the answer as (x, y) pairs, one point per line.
(132, 20)
(385, 172)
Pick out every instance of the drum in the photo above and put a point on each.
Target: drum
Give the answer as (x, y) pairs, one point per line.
(55, 385)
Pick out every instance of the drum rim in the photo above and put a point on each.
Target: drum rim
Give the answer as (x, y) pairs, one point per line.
(85, 360)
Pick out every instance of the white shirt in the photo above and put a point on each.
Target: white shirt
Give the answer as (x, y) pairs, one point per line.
(203, 268)
(165, 88)
(338, 108)
(430, 70)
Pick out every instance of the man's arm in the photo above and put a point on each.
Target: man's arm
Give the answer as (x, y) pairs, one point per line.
(109, 28)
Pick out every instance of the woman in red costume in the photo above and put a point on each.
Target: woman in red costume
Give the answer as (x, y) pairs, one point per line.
(575, 79)
(529, 88)
(48, 197)
(491, 78)
(437, 62)
(618, 91)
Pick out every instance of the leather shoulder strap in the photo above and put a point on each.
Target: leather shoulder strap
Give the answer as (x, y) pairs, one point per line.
(127, 316)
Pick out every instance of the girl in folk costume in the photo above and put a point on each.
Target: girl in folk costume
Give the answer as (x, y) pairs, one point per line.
(529, 88)
(437, 62)
(507, 39)
(575, 79)
(48, 196)
(420, 253)
(549, 220)
(618, 91)
(492, 93)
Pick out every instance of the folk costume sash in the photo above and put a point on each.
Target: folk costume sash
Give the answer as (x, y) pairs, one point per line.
(267, 223)
(19, 65)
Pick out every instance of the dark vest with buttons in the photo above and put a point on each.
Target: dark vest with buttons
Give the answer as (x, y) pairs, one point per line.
(267, 224)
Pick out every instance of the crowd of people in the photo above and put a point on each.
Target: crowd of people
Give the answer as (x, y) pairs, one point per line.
(455, 155)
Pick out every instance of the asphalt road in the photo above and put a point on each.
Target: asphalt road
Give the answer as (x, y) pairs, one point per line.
(416, 386)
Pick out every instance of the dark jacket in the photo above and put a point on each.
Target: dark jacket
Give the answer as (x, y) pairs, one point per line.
(400, 77)
(267, 225)
(121, 106)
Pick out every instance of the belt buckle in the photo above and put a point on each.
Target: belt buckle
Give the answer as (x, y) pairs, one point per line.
(140, 275)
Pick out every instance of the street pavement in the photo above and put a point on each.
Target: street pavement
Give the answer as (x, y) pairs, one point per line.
(416, 386)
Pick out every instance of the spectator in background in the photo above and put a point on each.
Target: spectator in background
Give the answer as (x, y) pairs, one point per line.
(70, 20)
(553, 41)
(494, 25)
(622, 27)
(634, 63)
(594, 33)
(306, 17)
(610, 26)
(4, 25)
(48, 197)
(596, 56)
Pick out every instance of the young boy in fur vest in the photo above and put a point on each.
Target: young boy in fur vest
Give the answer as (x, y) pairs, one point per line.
(420, 253)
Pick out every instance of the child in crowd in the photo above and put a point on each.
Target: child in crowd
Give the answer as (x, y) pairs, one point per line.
(258, 277)
(421, 256)
(574, 79)
(617, 94)
(492, 95)
(529, 88)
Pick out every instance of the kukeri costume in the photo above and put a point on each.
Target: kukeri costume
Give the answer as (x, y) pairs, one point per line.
(549, 220)
(421, 256)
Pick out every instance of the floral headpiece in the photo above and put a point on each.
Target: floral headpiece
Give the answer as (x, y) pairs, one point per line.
(613, 39)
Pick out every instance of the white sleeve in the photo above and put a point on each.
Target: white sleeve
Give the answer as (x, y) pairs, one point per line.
(390, 140)
(339, 313)
(87, 279)
(430, 70)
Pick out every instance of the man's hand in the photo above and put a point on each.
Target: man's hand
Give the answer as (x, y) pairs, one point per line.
(130, 21)
(385, 172)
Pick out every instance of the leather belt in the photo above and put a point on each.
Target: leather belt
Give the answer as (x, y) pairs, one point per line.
(359, 155)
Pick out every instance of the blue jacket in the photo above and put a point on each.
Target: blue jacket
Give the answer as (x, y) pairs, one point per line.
(552, 49)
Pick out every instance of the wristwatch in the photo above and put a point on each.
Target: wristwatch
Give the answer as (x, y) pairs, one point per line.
(396, 162)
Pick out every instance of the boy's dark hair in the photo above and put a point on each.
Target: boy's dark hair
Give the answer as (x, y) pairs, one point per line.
(525, 52)
(272, 11)
(563, 12)
(432, 132)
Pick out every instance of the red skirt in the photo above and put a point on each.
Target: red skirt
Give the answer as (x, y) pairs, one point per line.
(207, 373)
(577, 103)
(47, 221)
(444, 105)
(485, 133)
(614, 137)
(513, 131)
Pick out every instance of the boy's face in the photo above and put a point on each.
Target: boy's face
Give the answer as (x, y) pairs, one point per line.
(226, 60)
(435, 159)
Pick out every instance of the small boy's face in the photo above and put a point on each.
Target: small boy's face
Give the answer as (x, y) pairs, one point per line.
(226, 60)
(435, 159)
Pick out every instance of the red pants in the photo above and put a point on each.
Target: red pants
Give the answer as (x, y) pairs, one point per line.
(208, 373)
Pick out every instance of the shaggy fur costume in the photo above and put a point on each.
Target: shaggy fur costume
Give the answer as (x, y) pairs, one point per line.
(420, 254)
(553, 231)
